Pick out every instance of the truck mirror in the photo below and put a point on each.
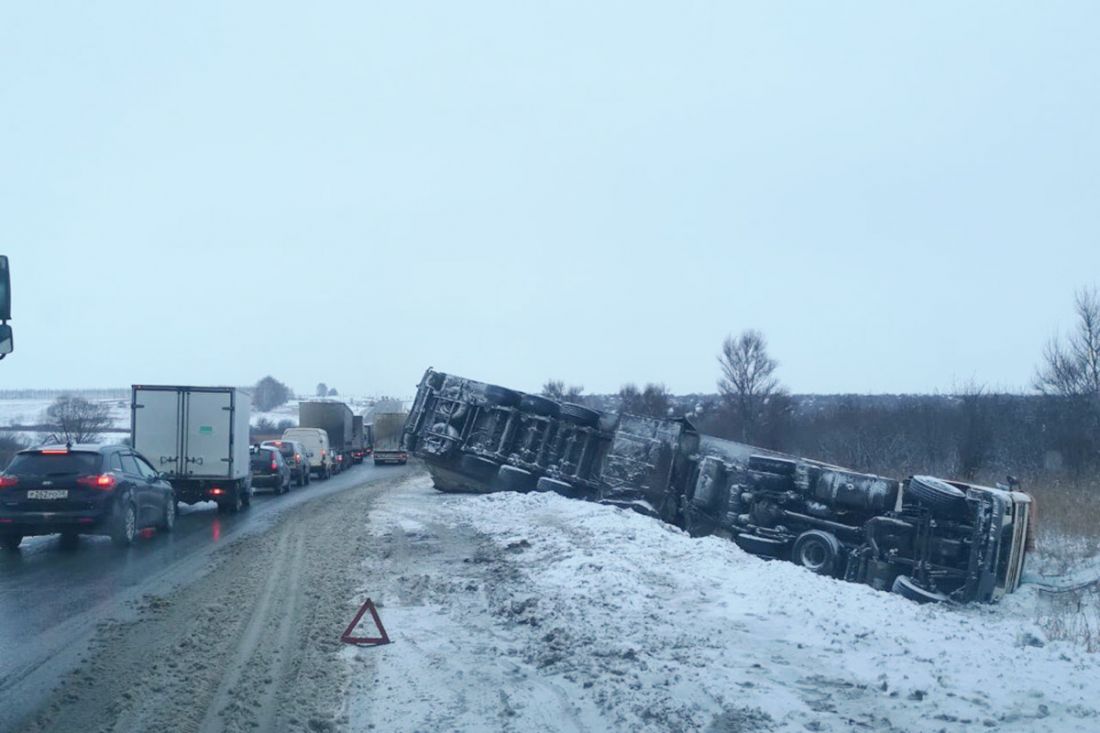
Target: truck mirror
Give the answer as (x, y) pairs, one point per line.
(6, 343)
(5, 289)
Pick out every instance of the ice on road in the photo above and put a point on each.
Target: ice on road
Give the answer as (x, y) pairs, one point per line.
(527, 612)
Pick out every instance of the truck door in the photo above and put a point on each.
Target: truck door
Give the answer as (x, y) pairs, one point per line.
(208, 435)
(156, 428)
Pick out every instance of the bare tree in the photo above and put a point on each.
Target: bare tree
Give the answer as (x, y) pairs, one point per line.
(975, 440)
(1069, 378)
(76, 420)
(555, 389)
(1071, 368)
(748, 381)
(652, 401)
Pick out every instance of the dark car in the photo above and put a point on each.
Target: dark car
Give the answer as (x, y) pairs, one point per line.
(296, 457)
(269, 469)
(82, 489)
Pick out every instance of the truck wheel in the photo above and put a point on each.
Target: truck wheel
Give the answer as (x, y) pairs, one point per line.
(244, 495)
(937, 495)
(905, 587)
(10, 541)
(539, 406)
(124, 526)
(478, 467)
(579, 415)
(817, 551)
(501, 396)
(763, 546)
(168, 521)
(510, 478)
(234, 503)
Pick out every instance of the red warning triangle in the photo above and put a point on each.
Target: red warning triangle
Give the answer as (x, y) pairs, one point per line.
(347, 637)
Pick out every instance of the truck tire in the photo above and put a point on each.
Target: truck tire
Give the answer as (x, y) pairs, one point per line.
(540, 406)
(501, 396)
(816, 551)
(10, 541)
(245, 493)
(124, 525)
(552, 484)
(763, 546)
(478, 467)
(906, 588)
(579, 415)
(938, 495)
(510, 478)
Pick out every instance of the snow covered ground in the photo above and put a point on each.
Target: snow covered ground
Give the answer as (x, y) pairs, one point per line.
(526, 612)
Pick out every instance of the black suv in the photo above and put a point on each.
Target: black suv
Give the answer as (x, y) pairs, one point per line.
(82, 489)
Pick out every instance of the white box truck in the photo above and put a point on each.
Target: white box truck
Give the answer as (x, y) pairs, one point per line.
(198, 438)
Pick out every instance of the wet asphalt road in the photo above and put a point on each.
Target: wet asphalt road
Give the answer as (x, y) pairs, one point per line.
(51, 599)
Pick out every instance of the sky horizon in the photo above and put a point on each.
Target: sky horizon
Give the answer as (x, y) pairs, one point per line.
(901, 199)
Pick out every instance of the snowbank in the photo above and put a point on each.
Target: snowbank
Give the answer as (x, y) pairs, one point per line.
(519, 612)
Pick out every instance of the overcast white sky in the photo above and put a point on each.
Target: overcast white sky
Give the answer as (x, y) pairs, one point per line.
(902, 198)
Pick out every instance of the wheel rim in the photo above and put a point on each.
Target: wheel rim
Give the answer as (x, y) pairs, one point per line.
(814, 556)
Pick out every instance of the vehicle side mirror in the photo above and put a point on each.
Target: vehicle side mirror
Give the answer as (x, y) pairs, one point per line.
(5, 289)
(7, 345)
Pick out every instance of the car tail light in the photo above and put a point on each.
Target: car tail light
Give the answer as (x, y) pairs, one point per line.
(323, 454)
(6, 482)
(102, 481)
(297, 457)
(274, 466)
(216, 491)
(55, 452)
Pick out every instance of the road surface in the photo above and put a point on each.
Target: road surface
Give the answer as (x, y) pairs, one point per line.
(91, 638)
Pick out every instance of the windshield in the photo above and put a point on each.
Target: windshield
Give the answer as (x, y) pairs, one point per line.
(55, 464)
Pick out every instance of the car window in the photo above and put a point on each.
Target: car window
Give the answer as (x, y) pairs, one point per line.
(115, 463)
(55, 464)
(129, 465)
(145, 468)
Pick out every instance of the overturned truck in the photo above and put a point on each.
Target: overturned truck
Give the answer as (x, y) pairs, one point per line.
(922, 537)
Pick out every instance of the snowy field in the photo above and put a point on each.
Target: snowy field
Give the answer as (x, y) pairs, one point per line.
(528, 612)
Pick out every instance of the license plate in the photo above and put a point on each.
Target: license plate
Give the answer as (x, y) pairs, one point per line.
(48, 494)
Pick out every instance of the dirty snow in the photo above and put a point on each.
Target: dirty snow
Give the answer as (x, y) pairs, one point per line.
(525, 612)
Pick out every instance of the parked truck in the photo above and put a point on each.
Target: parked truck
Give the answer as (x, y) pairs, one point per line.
(197, 437)
(358, 440)
(921, 537)
(388, 427)
(337, 420)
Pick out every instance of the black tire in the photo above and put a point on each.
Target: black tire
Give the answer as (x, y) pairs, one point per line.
(377, 462)
(537, 405)
(501, 396)
(937, 495)
(906, 588)
(168, 521)
(233, 504)
(763, 546)
(552, 484)
(69, 540)
(578, 415)
(478, 467)
(816, 551)
(510, 478)
(244, 493)
(124, 526)
(10, 541)
(301, 480)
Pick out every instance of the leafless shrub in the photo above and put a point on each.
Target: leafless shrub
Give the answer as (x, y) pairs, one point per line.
(76, 420)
